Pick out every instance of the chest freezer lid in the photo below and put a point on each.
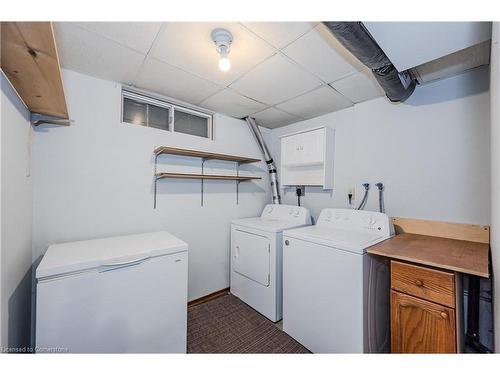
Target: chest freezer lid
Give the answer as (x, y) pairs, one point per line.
(81, 255)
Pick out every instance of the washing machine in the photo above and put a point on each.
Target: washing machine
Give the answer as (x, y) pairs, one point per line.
(256, 256)
(335, 295)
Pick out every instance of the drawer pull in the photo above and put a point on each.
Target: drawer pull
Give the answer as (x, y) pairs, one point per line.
(444, 315)
(426, 283)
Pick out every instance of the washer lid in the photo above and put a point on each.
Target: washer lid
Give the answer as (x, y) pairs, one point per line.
(267, 225)
(82, 255)
(355, 241)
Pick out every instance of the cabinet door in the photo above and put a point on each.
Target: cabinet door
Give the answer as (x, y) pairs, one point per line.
(418, 326)
(289, 150)
(313, 147)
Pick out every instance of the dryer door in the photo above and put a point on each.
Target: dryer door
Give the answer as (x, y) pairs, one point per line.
(251, 256)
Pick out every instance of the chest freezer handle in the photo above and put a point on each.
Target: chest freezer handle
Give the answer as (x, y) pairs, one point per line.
(126, 262)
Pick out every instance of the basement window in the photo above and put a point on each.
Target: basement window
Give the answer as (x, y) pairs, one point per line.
(138, 109)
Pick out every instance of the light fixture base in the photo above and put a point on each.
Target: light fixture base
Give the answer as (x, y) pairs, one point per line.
(222, 39)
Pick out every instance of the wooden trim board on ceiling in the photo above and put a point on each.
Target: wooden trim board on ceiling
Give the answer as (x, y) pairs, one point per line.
(30, 61)
(456, 231)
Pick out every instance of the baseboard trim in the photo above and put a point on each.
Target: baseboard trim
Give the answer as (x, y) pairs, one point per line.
(208, 297)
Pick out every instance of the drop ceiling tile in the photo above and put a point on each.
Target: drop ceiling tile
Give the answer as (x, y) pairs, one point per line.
(188, 45)
(316, 103)
(320, 53)
(359, 86)
(135, 35)
(279, 34)
(90, 53)
(274, 118)
(168, 80)
(275, 80)
(231, 103)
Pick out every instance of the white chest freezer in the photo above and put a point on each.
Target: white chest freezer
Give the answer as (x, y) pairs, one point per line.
(115, 295)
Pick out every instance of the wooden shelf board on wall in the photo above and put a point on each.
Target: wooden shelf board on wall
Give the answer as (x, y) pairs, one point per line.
(206, 176)
(456, 231)
(204, 154)
(30, 61)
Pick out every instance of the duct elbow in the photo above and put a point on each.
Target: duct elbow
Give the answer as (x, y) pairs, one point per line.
(398, 86)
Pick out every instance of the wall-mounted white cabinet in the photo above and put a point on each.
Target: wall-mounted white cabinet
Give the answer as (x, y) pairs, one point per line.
(307, 158)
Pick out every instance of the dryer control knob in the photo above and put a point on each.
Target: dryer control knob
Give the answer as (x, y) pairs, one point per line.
(287, 242)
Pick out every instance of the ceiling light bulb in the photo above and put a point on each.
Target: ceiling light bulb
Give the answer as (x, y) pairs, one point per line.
(224, 64)
(223, 39)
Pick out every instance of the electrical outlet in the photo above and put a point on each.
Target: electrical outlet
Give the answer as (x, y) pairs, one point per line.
(300, 191)
(351, 190)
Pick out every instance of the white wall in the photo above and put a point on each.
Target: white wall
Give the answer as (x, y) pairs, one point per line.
(495, 173)
(431, 153)
(95, 179)
(16, 219)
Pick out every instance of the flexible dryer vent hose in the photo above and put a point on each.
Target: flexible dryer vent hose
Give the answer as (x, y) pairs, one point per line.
(398, 86)
(271, 166)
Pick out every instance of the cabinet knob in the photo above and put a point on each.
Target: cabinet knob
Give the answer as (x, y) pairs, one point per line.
(287, 242)
(444, 315)
(419, 283)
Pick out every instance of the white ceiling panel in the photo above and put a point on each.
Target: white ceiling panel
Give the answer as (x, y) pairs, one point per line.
(275, 80)
(274, 118)
(168, 80)
(189, 45)
(90, 53)
(359, 86)
(319, 52)
(135, 35)
(316, 103)
(230, 103)
(179, 59)
(279, 34)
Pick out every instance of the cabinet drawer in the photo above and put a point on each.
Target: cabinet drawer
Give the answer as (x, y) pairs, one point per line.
(429, 284)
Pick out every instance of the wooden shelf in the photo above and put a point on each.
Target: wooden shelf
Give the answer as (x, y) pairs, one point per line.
(30, 61)
(449, 254)
(203, 155)
(205, 176)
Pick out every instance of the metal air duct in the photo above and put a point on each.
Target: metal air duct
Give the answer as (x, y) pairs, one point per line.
(354, 37)
(271, 166)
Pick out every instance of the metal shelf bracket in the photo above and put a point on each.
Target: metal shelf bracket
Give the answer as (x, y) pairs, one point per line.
(158, 176)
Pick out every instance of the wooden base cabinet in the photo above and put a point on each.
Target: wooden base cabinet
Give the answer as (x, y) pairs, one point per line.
(419, 326)
(423, 310)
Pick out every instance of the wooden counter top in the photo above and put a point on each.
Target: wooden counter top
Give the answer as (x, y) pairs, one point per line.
(455, 255)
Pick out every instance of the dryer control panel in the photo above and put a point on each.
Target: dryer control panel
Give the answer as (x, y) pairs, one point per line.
(356, 220)
(295, 214)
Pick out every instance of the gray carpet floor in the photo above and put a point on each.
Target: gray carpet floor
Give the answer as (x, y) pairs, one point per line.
(227, 325)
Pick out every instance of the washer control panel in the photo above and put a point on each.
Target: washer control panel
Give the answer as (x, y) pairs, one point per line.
(294, 214)
(356, 220)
